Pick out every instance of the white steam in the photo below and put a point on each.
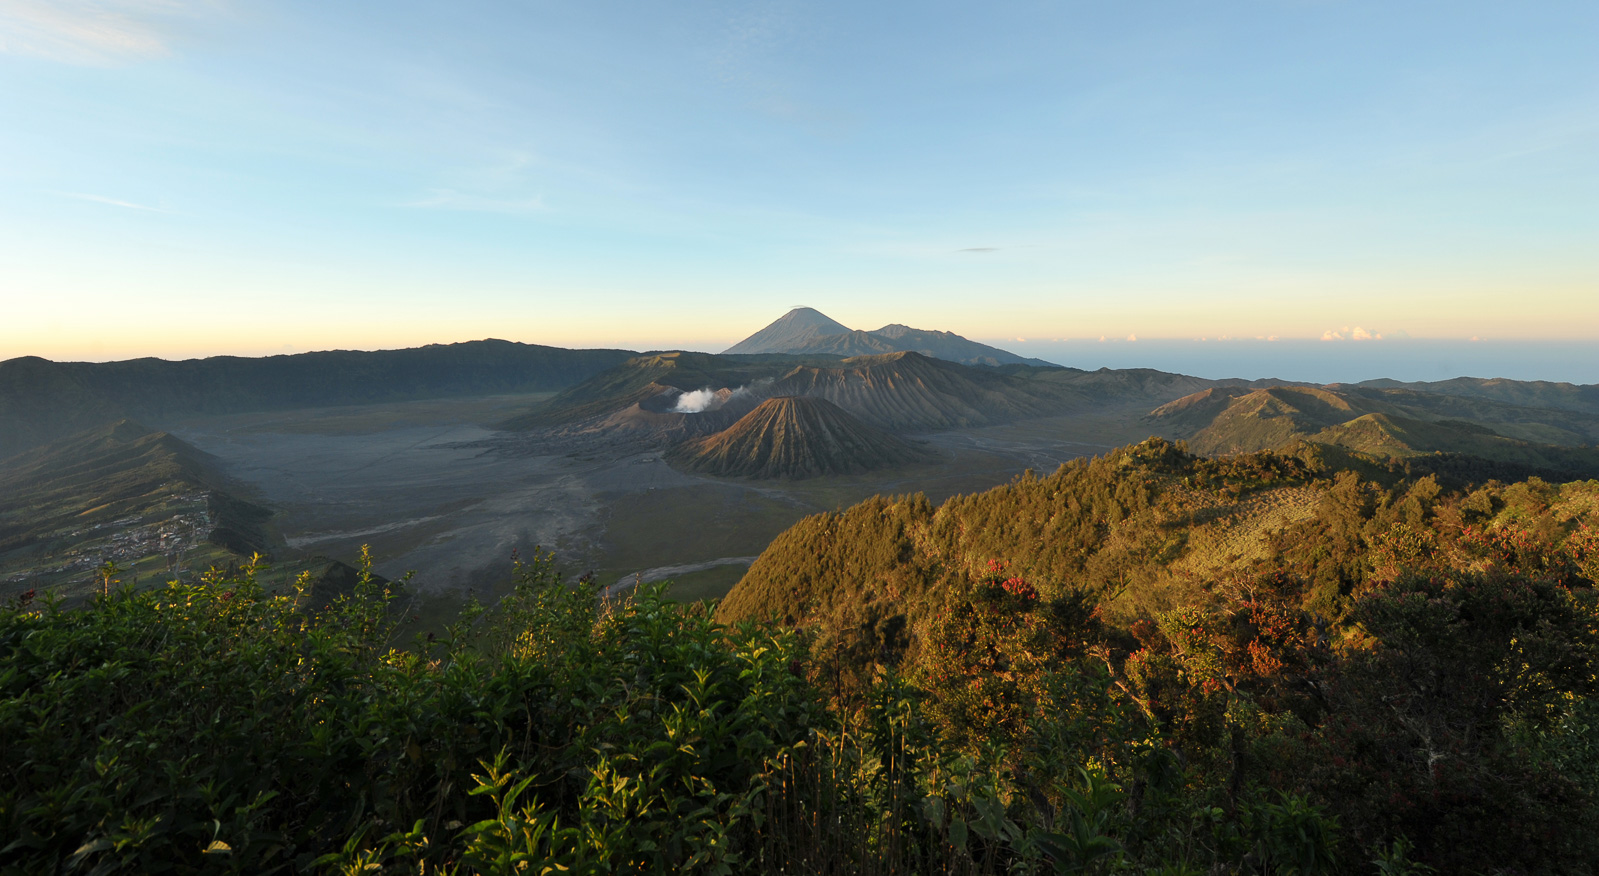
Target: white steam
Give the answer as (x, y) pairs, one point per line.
(698, 401)
(701, 400)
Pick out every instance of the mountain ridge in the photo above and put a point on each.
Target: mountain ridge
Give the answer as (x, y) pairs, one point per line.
(806, 331)
(1382, 422)
(41, 400)
(53, 496)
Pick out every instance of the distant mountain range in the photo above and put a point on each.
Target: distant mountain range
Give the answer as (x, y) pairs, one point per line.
(895, 380)
(804, 331)
(42, 400)
(1395, 423)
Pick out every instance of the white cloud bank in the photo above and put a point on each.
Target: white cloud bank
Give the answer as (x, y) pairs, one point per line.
(1348, 333)
(95, 32)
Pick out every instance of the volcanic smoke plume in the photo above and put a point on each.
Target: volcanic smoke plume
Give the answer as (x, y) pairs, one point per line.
(701, 400)
(698, 401)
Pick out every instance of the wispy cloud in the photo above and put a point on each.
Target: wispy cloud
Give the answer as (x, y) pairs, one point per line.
(92, 31)
(450, 199)
(114, 202)
(979, 249)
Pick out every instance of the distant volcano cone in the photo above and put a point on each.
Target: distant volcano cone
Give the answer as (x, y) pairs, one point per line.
(791, 331)
(794, 437)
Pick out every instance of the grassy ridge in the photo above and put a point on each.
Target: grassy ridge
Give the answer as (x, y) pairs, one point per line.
(1387, 422)
(120, 492)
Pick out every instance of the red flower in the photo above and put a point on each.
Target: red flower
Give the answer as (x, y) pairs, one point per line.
(1019, 587)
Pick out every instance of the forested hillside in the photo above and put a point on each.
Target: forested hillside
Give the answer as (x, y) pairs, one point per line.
(1149, 662)
(1419, 660)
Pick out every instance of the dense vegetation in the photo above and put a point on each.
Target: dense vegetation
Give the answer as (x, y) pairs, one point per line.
(1148, 662)
(1416, 661)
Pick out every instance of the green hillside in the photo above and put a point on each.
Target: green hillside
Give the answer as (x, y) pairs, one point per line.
(1392, 423)
(1147, 527)
(1111, 523)
(1402, 437)
(1233, 421)
(1239, 582)
(123, 493)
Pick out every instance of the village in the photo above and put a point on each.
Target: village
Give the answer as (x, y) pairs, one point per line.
(155, 542)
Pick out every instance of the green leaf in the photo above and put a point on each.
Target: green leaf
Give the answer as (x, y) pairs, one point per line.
(100, 845)
(957, 833)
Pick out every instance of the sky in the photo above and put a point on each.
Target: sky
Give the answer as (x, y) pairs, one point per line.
(1316, 189)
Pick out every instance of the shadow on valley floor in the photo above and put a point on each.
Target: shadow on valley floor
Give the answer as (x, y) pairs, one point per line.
(435, 491)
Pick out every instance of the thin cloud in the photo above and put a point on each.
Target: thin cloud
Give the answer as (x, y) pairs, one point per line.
(102, 199)
(979, 249)
(450, 199)
(91, 31)
(503, 184)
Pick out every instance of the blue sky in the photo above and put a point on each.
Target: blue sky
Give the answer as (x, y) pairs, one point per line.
(183, 177)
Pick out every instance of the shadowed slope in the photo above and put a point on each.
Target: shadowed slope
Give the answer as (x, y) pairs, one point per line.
(791, 437)
(102, 474)
(908, 391)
